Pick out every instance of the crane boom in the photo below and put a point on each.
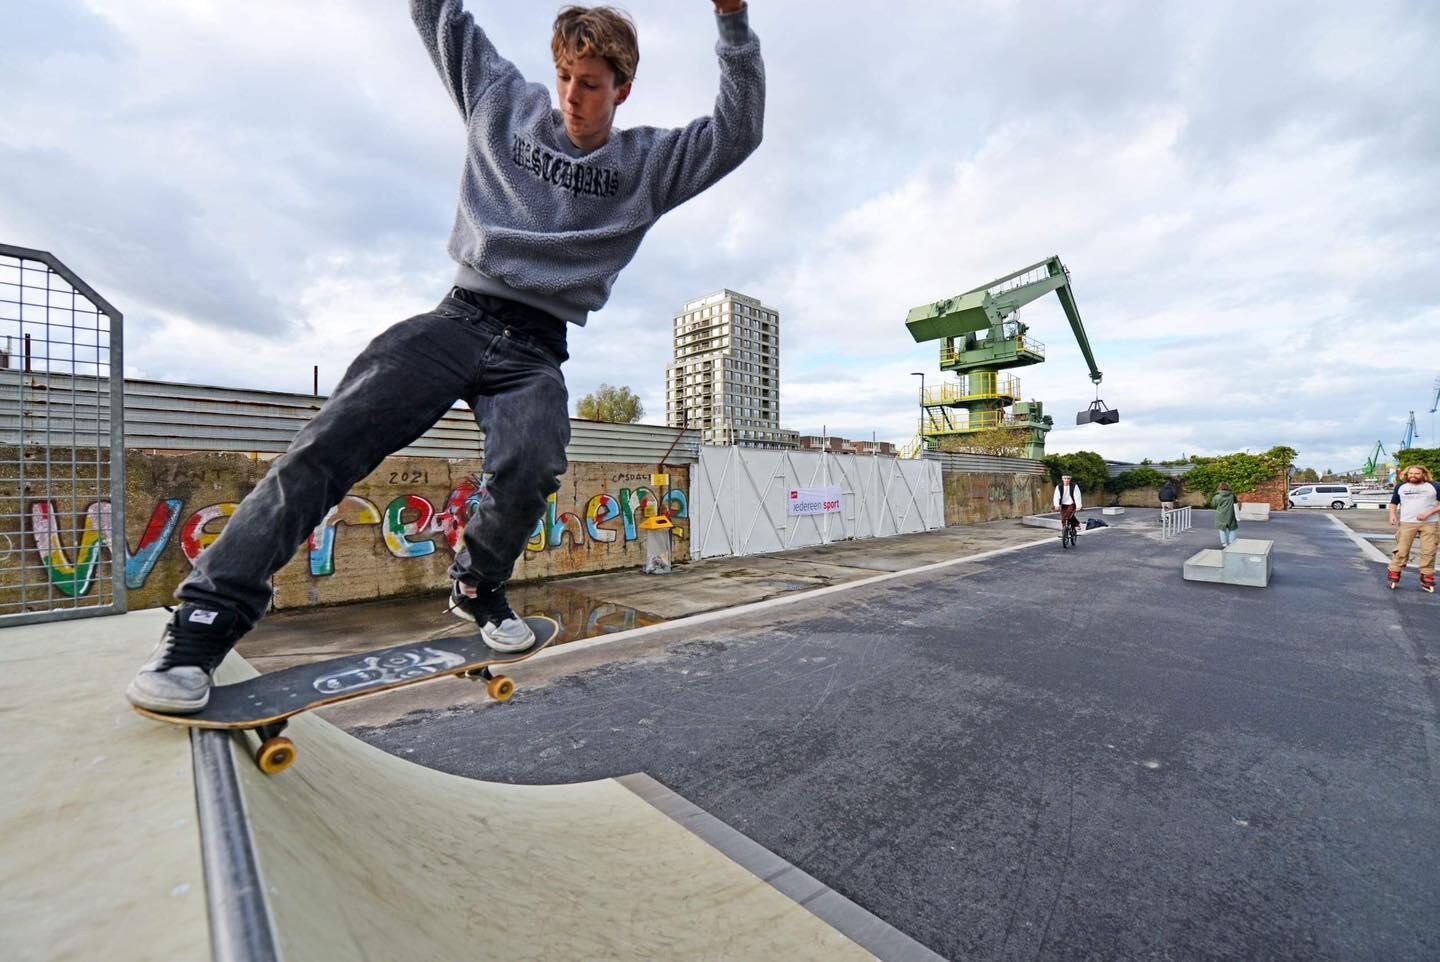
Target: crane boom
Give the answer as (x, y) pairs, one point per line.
(988, 305)
(1410, 434)
(1436, 403)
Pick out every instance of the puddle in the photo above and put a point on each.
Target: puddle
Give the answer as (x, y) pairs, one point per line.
(579, 615)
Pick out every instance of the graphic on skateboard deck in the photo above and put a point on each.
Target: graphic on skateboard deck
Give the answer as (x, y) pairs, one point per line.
(264, 704)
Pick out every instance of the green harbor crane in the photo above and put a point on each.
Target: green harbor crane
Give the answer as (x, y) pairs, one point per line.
(980, 337)
(1375, 464)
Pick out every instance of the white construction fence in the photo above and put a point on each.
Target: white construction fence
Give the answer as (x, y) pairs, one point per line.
(747, 501)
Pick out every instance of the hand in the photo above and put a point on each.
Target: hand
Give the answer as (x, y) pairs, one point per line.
(728, 6)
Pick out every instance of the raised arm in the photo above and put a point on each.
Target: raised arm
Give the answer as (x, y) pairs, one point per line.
(696, 156)
(465, 58)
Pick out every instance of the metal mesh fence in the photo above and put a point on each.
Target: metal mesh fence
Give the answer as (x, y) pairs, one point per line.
(62, 466)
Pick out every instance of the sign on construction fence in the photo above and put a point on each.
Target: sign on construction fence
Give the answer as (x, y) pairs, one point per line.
(805, 501)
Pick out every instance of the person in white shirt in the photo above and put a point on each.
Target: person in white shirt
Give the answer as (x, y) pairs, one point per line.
(1068, 500)
(1415, 511)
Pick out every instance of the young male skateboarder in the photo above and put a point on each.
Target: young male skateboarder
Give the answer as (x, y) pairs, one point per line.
(554, 202)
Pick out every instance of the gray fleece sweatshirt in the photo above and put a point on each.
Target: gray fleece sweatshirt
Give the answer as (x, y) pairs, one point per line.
(541, 221)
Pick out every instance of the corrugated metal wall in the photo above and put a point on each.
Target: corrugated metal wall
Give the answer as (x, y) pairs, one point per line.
(985, 464)
(191, 417)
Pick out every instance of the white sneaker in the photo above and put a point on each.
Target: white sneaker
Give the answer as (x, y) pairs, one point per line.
(175, 680)
(499, 625)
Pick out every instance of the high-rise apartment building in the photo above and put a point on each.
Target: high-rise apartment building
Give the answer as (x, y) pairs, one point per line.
(725, 380)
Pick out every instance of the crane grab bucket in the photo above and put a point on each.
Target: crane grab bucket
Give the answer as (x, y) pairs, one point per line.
(1098, 413)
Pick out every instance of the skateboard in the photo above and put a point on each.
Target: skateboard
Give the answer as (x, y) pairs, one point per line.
(264, 704)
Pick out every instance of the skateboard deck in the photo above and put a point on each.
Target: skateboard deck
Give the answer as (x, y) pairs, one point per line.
(264, 703)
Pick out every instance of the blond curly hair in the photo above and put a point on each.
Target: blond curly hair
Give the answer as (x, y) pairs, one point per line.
(603, 32)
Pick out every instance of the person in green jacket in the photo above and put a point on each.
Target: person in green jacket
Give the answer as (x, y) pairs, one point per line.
(1225, 520)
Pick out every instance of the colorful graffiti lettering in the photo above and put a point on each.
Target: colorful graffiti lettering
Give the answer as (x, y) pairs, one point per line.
(70, 579)
(398, 532)
(74, 579)
(352, 510)
(403, 539)
(195, 539)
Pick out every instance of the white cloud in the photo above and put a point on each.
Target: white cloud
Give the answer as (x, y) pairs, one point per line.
(1249, 223)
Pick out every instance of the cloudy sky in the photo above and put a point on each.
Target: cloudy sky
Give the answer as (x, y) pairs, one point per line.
(1245, 193)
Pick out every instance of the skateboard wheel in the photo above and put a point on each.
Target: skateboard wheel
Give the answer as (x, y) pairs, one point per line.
(275, 755)
(501, 688)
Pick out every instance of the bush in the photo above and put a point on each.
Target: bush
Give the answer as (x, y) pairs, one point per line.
(1086, 468)
(1243, 472)
(1138, 478)
(1426, 457)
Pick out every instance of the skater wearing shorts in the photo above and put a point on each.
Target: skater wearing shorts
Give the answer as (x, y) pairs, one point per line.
(554, 202)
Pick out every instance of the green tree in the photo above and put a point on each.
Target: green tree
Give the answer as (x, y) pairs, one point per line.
(615, 405)
(1243, 472)
(1425, 457)
(1086, 468)
(1305, 476)
(1000, 442)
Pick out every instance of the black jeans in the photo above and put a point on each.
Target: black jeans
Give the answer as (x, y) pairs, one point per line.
(499, 357)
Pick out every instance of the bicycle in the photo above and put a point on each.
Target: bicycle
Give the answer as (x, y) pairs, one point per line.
(1069, 532)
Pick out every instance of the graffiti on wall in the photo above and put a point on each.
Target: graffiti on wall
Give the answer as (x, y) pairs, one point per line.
(408, 526)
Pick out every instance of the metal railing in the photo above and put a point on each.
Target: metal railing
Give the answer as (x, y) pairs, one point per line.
(1173, 521)
(62, 444)
(973, 387)
(977, 421)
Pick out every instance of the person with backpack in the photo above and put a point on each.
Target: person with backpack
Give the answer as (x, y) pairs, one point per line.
(1168, 493)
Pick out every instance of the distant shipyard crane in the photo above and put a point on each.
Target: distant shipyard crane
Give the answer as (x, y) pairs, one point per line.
(1408, 441)
(980, 335)
(1373, 466)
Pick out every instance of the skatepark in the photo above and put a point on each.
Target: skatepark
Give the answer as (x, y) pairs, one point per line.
(1014, 753)
(471, 492)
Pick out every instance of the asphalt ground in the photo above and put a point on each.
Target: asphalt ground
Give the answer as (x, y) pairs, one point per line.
(1042, 754)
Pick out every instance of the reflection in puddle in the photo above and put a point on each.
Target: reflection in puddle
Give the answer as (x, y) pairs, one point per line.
(578, 615)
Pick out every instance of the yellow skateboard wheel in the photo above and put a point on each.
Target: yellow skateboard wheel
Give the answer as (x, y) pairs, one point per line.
(501, 688)
(275, 755)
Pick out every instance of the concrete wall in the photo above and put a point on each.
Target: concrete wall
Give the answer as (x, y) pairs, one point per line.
(973, 498)
(394, 534)
(1150, 498)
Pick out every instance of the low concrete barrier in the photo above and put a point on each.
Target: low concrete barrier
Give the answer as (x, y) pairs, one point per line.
(1247, 562)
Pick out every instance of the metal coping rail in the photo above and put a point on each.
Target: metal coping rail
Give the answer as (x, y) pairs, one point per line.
(241, 927)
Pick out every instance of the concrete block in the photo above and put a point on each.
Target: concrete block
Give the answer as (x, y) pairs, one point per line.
(1205, 565)
(1247, 562)
(1253, 512)
(1112, 510)
(1042, 521)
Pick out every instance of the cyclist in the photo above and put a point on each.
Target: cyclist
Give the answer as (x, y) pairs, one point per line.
(1067, 500)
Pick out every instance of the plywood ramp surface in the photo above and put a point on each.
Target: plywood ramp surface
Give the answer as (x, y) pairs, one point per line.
(366, 856)
(99, 855)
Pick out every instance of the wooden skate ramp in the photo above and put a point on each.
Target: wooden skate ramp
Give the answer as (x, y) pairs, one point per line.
(366, 856)
(124, 840)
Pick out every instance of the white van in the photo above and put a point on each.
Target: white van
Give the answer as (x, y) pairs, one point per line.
(1337, 496)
